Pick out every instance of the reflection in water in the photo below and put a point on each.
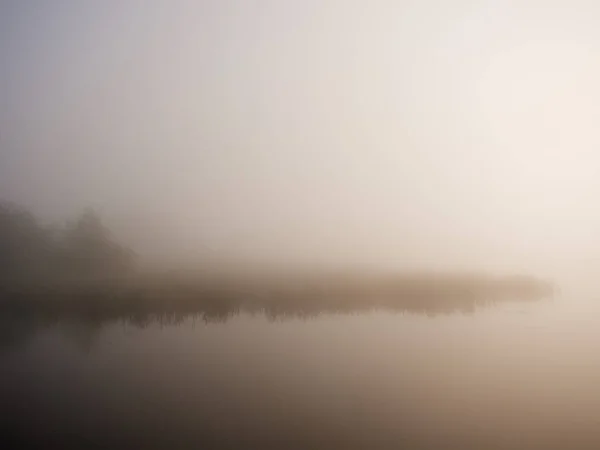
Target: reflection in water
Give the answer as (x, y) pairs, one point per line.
(347, 380)
(352, 381)
(86, 310)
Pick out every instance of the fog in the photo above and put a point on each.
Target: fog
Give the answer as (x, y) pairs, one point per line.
(413, 134)
(299, 224)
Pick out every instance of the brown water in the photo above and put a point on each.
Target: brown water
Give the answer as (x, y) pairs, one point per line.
(508, 376)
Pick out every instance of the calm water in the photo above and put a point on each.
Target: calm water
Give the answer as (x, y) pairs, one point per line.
(507, 376)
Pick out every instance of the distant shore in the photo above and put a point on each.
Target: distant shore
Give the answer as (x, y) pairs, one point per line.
(219, 296)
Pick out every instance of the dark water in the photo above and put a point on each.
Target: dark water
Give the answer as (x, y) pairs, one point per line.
(507, 375)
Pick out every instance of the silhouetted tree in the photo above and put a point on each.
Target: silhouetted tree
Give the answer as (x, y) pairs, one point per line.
(90, 250)
(22, 243)
(84, 248)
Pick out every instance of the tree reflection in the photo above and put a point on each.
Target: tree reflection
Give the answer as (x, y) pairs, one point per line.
(84, 312)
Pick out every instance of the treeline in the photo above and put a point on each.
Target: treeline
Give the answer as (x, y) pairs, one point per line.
(82, 248)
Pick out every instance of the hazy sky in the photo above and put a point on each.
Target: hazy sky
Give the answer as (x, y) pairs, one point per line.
(397, 133)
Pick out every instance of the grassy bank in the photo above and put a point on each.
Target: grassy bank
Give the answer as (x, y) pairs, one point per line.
(217, 298)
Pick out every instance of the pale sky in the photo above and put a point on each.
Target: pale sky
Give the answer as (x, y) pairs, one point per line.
(388, 133)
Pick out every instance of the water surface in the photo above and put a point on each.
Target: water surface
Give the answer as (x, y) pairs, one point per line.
(505, 375)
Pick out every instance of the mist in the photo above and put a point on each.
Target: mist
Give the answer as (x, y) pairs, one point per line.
(310, 133)
(389, 135)
(299, 224)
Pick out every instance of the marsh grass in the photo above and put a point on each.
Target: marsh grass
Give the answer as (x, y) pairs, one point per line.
(140, 301)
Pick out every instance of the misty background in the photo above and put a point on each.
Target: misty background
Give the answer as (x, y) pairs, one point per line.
(413, 134)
